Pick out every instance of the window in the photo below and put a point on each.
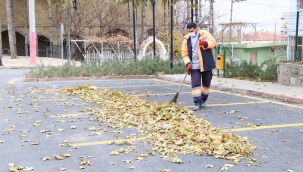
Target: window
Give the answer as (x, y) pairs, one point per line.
(299, 4)
(75, 5)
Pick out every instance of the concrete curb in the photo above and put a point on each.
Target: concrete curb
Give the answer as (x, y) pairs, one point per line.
(18, 67)
(88, 78)
(245, 91)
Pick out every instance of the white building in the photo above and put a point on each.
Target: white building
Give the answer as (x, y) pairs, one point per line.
(289, 28)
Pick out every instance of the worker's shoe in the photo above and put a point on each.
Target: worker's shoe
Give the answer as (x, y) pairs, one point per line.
(203, 105)
(198, 106)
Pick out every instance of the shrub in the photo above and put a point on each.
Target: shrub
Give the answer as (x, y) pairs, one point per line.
(250, 71)
(109, 68)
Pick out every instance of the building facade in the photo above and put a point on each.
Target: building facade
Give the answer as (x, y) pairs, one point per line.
(48, 32)
(290, 25)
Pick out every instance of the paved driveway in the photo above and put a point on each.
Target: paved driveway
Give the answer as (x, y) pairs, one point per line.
(37, 125)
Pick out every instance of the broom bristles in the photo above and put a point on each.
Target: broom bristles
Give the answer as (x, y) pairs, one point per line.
(174, 100)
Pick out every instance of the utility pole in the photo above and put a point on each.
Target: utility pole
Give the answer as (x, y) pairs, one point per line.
(231, 18)
(32, 29)
(212, 17)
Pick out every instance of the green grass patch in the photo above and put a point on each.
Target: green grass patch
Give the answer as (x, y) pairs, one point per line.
(108, 68)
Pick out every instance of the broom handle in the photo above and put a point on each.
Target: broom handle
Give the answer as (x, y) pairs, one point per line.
(182, 82)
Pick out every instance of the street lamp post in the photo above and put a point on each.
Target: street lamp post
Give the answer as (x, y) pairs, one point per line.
(296, 39)
(192, 11)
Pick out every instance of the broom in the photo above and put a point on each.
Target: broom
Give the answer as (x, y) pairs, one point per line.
(174, 100)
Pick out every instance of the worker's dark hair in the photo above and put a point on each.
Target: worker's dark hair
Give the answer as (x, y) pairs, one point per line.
(191, 25)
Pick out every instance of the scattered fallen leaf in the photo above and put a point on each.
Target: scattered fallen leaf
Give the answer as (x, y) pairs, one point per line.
(128, 161)
(176, 160)
(60, 129)
(61, 169)
(165, 170)
(28, 168)
(60, 157)
(46, 159)
(227, 166)
(209, 166)
(11, 164)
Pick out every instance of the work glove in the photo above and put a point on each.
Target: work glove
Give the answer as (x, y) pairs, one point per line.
(188, 67)
(203, 43)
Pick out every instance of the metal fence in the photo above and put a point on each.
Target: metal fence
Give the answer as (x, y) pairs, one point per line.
(43, 50)
(290, 25)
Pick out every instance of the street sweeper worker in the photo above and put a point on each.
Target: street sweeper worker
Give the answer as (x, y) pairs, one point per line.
(199, 61)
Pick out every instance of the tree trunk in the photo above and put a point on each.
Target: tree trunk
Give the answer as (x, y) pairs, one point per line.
(168, 14)
(50, 27)
(188, 12)
(68, 16)
(164, 17)
(0, 45)
(128, 17)
(58, 29)
(196, 11)
(11, 29)
(25, 26)
(143, 27)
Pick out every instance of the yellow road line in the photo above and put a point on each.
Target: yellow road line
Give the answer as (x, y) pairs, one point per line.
(136, 86)
(261, 99)
(161, 94)
(250, 97)
(69, 115)
(12, 82)
(264, 127)
(227, 130)
(231, 104)
(107, 141)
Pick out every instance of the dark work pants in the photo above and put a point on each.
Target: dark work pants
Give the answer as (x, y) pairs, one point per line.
(200, 91)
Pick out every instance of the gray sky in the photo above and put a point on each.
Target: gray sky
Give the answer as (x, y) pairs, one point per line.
(263, 12)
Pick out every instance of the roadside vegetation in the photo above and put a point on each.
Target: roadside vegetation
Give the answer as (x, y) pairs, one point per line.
(108, 68)
(265, 72)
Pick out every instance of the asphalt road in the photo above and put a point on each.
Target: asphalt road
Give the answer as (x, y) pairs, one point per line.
(36, 125)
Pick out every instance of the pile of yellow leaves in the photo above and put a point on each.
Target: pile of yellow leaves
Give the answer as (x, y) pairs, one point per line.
(169, 128)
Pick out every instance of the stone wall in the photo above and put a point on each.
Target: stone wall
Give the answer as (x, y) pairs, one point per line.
(290, 74)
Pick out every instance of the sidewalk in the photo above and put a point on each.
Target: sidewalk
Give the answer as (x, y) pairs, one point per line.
(264, 89)
(23, 62)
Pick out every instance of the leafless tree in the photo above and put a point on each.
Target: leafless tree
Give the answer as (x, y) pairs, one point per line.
(50, 18)
(11, 28)
(25, 26)
(58, 22)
